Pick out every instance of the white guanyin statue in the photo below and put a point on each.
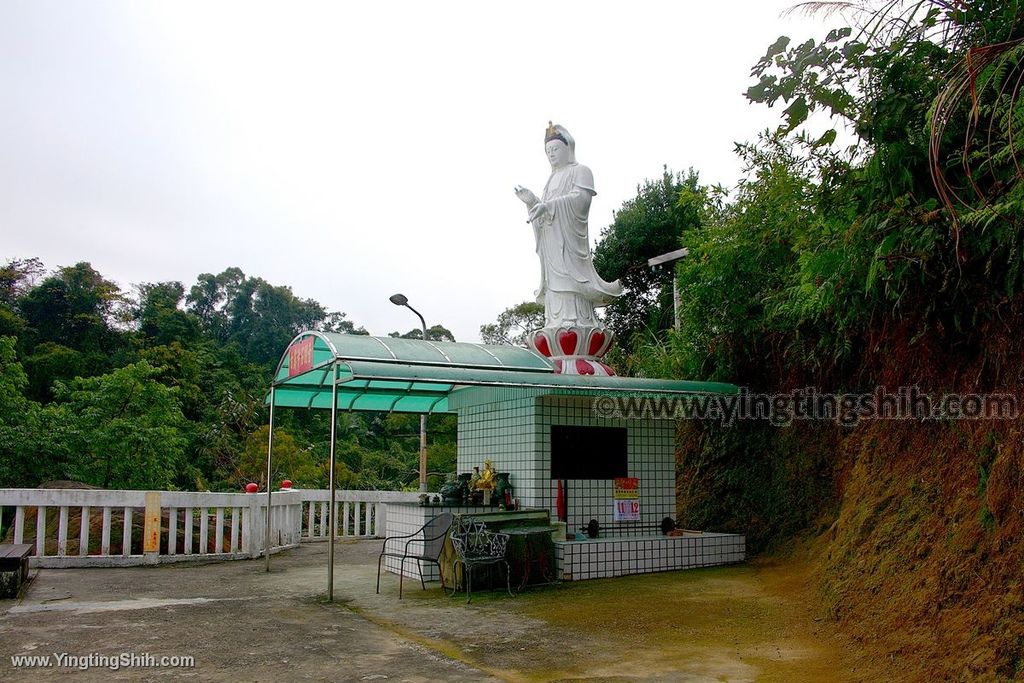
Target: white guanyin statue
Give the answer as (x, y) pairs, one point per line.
(570, 287)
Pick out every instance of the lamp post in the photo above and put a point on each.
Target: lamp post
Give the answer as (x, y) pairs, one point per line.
(402, 300)
(665, 259)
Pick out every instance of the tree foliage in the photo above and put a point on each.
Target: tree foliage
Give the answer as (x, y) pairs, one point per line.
(434, 333)
(164, 387)
(123, 428)
(884, 251)
(651, 224)
(917, 224)
(514, 324)
(259, 317)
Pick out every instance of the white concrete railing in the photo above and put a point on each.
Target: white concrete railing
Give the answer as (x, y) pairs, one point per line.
(125, 528)
(361, 514)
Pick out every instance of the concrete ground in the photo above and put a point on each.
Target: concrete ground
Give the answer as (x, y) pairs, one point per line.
(739, 623)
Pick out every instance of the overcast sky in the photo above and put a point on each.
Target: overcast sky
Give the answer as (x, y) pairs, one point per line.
(354, 150)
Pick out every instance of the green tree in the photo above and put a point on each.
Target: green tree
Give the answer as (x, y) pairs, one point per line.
(11, 324)
(222, 433)
(75, 307)
(123, 429)
(338, 322)
(17, 276)
(259, 317)
(650, 224)
(290, 461)
(20, 464)
(50, 362)
(514, 324)
(929, 89)
(434, 333)
(208, 298)
(160, 317)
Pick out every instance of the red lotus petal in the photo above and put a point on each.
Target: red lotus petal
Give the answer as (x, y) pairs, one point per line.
(596, 342)
(567, 339)
(541, 342)
(584, 367)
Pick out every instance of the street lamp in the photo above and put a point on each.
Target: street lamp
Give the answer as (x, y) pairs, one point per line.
(669, 258)
(402, 300)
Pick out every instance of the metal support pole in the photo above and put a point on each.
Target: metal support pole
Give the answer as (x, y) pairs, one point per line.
(423, 452)
(423, 423)
(330, 476)
(402, 300)
(270, 451)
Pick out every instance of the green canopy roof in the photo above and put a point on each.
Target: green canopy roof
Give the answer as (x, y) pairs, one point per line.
(417, 376)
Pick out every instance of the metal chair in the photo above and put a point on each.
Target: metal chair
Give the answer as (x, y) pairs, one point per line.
(431, 535)
(474, 546)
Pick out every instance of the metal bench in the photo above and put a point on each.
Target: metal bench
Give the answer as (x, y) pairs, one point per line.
(13, 568)
(474, 546)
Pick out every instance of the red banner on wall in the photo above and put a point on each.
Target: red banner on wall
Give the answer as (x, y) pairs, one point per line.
(300, 357)
(626, 488)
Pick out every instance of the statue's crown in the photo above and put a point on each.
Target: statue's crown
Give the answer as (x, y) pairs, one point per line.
(552, 134)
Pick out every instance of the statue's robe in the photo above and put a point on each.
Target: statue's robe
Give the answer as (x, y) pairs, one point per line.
(570, 288)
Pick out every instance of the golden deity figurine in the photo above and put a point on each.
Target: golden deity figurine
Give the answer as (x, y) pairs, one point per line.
(488, 479)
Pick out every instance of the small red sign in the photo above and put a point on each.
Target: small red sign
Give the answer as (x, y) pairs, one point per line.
(627, 488)
(300, 357)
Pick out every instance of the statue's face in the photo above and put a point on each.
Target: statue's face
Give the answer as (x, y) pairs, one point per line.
(558, 153)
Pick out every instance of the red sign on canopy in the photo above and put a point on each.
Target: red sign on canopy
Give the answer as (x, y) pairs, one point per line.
(300, 357)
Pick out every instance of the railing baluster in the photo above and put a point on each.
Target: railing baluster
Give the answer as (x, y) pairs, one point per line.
(83, 531)
(172, 531)
(126, 535)
(344, 518)
(62, 531)
(19, 524)
(323, 520)
(309, 523)
(203, 533)
(234, 529)
(381, 521)
(247, 530)
(40, 530)
(105, 533)
(219, 536)
(188, 531)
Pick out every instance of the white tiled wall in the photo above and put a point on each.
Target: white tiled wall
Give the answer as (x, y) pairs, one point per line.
(651, 458)
(514, 430)
(512, 427)
(501, 428)
(601, 558)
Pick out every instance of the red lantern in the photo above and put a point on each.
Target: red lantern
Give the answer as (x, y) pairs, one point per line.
(252, 487)
(286, 484)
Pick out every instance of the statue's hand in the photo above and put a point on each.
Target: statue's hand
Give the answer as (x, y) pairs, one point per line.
(538, 210)
(527, 197)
